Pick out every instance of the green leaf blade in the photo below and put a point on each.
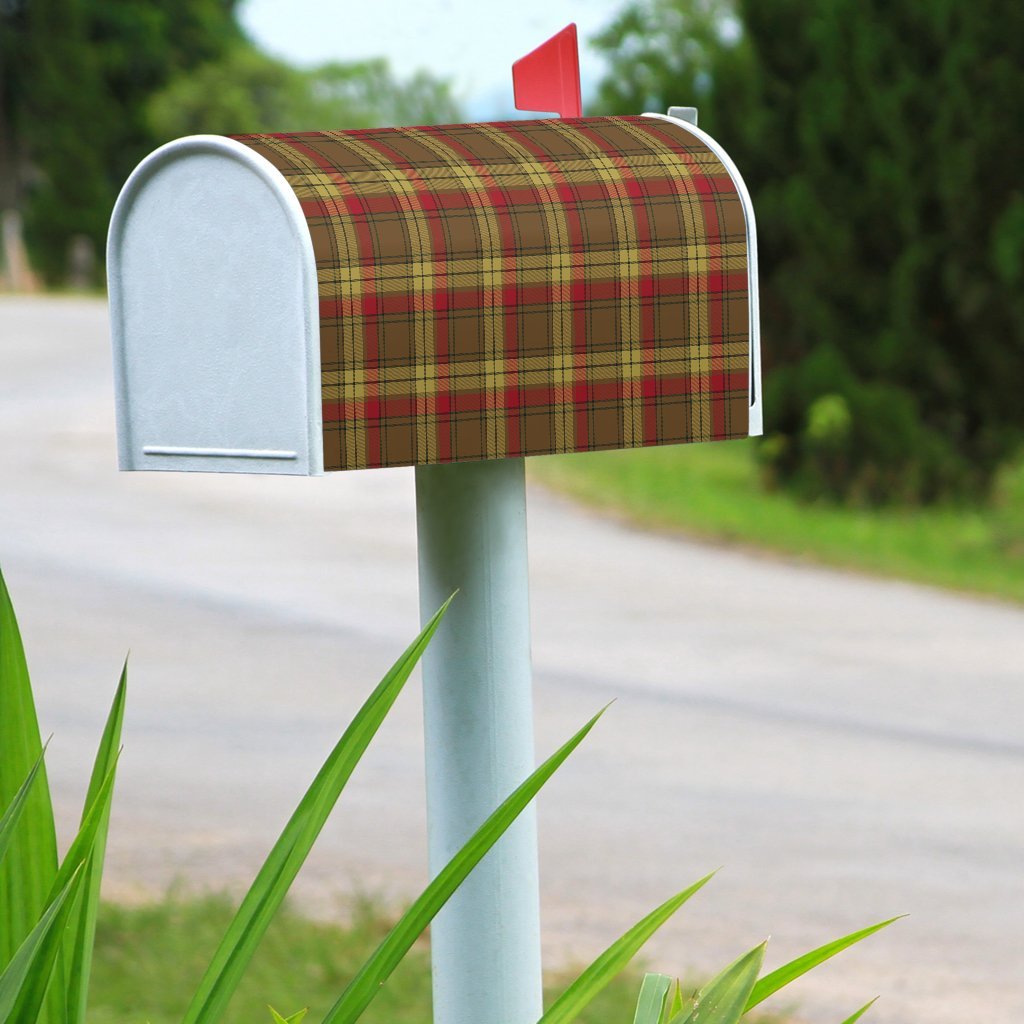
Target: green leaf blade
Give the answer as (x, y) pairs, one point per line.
(83, 845)
(372, 975)
(782, 976)
(854, 1017)
(723, 1000)
(295, 1018)
(12, 815)
(595, 977)
(675, 1006)
(72, 867)
(651, 1003)
(29, 868)
(23, 984)
(81, 936)
(274, 879)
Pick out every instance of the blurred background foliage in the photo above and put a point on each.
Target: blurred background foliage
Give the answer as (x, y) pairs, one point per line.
(874, 137)
(89, 87)
(246, 90)
(879, 139)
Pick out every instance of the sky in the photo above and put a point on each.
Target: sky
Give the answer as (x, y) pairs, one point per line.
(471, 42)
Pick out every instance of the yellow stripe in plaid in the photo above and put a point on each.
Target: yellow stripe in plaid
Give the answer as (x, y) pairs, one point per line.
(455, 326)
(491, 272)
(701, 426)
(402, 184)
(561, 276)
(609, 170)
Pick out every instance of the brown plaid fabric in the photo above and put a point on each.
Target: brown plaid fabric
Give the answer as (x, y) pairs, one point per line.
(523, 288)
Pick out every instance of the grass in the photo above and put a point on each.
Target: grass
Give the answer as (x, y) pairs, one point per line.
(714, 492)
(149, 958)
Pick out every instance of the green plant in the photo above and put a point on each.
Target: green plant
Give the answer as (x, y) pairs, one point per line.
(724, 1000)
(737, 989)
(48, 914)
(295, 1018)
(48, 911)
(890, 220)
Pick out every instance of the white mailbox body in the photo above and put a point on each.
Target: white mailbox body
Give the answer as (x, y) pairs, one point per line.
(216, 313)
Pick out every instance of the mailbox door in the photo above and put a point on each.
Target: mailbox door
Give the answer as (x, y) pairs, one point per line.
(214, 316)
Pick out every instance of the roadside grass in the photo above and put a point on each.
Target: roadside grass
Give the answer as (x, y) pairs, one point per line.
(150, 957)
(713, 492)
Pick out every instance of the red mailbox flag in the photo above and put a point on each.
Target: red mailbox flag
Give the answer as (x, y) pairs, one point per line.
(548, 78)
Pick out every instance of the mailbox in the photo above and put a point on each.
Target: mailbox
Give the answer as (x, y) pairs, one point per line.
(295, 303)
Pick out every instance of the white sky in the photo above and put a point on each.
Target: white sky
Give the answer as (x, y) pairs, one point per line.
(472, 43)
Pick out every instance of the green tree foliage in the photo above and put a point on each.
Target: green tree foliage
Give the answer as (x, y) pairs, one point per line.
(54, 138)
(876, 138)
(88, 87)
(249, 91)
(77, 75)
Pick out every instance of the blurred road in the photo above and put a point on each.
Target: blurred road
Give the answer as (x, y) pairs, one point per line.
(847, 748)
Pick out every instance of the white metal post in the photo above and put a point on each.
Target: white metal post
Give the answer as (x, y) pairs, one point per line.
(478, 712)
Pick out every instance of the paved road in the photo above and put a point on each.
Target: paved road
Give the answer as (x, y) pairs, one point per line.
(846, 748)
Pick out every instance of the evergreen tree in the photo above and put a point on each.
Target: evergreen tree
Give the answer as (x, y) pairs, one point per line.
(88, 87)
(880, 141)
(75, 81)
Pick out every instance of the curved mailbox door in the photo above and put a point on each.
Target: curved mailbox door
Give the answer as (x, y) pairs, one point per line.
(213, 314)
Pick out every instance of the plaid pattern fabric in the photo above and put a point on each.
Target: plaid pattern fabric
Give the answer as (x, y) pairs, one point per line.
(523, 288)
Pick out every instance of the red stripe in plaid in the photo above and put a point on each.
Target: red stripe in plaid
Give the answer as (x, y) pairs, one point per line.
(522, 288)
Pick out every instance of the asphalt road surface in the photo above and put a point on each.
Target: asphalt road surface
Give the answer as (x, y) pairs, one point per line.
(845, 748)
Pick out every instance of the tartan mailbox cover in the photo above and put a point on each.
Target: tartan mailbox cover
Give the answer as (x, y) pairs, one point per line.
(344, 300)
